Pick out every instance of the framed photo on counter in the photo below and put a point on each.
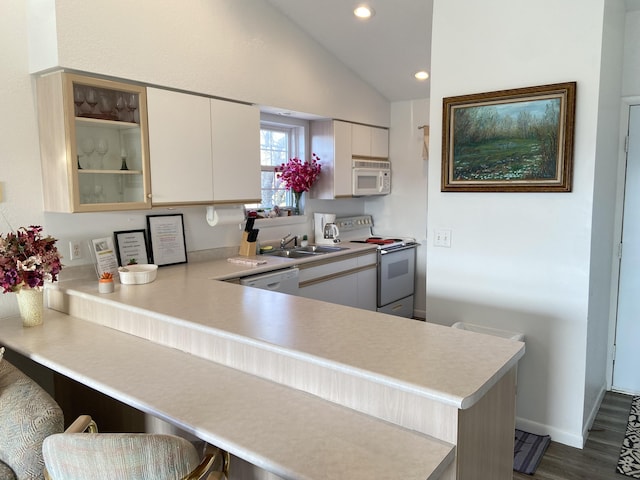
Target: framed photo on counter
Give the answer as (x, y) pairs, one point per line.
(131, 247)
(105, 256)
(166, 239)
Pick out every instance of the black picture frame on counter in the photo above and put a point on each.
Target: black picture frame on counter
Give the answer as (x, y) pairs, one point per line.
(166, 239)
(131, 247)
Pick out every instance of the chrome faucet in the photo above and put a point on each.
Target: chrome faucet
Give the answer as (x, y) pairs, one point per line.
(286, 240)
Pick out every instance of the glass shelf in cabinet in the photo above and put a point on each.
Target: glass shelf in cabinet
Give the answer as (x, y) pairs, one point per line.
(111, 172)
(118, 124)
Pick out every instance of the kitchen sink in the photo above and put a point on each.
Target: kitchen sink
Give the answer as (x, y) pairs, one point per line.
(319, 249)
(304, 252)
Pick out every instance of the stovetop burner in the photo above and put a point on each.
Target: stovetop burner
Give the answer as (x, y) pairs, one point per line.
(359, 229)
(385, 243)
(382, 241)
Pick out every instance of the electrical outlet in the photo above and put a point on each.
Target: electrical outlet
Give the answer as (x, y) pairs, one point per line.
(75, 250)
(442, 238)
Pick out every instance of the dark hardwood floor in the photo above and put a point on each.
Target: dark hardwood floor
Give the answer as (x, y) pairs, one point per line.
(598, 459)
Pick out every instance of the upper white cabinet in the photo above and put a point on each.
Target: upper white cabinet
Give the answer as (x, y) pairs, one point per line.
(369, 141)
(235, 144)
(331, 141)
(93, 144)
(336, 143)
(180, 147)
(202, 150)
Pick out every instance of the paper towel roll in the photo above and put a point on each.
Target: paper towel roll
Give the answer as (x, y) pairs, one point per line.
(225, 215)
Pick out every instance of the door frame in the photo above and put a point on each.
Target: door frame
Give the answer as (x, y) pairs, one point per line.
(625, 105)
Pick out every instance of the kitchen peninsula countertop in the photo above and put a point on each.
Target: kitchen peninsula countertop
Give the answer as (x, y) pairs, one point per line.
(451, 365)
(392, 369)
(287, 432)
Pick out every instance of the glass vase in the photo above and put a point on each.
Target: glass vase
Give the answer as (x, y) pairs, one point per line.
(296, 202)
(31, 305)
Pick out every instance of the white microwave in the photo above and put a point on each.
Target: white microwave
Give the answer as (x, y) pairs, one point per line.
(371, 177)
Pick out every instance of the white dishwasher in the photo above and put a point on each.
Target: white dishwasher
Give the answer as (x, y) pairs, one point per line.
(285, 281)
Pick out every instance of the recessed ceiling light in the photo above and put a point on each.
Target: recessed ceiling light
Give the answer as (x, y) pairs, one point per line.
(364, 11)
(421, 75)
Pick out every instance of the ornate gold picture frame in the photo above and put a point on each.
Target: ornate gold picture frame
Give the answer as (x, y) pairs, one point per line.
(518, 140)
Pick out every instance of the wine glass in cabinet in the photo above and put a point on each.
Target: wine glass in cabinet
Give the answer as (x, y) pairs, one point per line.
(77, 178)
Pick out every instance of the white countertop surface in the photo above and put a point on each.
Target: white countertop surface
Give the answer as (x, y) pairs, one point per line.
(288, 431)
(451, 365)
(285, 431)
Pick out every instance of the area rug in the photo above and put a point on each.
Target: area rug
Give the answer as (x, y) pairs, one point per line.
(528, 450)
(629, 461)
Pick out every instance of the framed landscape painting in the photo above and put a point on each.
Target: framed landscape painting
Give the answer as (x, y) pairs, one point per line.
(518, 140)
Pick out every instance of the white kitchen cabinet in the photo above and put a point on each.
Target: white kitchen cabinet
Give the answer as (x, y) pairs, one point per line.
(379, 142)
(347, 281)
(93, 144)
(235, 144)
(367, 282)
(203, 150)
(338, 289)
(337, 143)
(180, 147)
(369, 142)
(331, 141)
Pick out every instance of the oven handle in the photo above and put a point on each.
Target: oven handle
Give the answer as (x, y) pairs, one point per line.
(397, 249)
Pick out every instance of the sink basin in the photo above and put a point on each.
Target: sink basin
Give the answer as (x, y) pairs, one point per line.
(291, 253)
(304, 252)
(319, 249)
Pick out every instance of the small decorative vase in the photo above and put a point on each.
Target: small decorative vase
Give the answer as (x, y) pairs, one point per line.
(296, 202)
(105, 285)
(31, 304)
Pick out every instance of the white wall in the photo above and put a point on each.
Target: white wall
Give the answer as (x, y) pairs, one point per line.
(240, 49)
(631, 71)
(19, 153)
(604, 210)
(404, 211)
(631, 96)
(520, 261)
(218, 47)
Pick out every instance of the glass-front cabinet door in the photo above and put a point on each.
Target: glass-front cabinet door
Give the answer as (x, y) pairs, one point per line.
(94, 144)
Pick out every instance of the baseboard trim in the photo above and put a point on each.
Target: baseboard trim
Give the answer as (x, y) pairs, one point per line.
(594, 412)
(557, 435)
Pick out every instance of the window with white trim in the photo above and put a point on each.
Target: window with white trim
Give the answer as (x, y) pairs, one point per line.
(278, 143)
(275, 149)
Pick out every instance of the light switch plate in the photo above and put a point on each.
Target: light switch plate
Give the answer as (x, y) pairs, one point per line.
(75, 251)
(442, 238)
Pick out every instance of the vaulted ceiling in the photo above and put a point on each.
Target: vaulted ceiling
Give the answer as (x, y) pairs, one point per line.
(385, 51)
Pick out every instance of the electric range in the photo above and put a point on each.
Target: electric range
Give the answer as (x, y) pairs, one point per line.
(396, 264)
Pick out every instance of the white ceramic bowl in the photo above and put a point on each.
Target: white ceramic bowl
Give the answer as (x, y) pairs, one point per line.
(137, 274)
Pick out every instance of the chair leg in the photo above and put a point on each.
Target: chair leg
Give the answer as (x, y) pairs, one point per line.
(211, 455)
(81, 424)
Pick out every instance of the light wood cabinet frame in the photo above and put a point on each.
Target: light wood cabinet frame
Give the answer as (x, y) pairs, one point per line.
(58, 145)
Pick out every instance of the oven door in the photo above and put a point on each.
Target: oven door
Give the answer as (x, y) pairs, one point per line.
(370, 181)
(396, 274)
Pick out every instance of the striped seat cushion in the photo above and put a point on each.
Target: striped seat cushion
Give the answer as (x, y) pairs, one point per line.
(81, 456)
(28, 415)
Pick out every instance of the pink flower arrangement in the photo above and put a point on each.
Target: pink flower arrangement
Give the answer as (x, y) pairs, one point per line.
(27, 259)
(299, 176)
